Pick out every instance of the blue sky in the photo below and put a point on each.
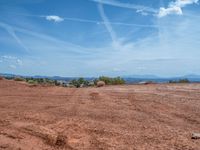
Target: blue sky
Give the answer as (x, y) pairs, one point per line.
(100, 37)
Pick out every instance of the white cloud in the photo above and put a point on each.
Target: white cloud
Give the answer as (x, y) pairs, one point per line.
(19, 62)
(54, 18)
(182, 3)
(8, 57)
(14, 61)
(175, 7)
(142, 12)
(171, 10)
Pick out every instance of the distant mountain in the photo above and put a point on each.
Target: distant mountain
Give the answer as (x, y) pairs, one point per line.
(128, 78)
(142, 76)
(7, 75)
(39, 76)
(192, 76)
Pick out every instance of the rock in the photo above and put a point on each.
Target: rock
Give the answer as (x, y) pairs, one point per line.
(101, 83)
(195, 135)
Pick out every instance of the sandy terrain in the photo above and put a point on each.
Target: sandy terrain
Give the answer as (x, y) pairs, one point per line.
(136, 117)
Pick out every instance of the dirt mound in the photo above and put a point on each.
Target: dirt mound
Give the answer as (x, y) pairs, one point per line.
(155, 116)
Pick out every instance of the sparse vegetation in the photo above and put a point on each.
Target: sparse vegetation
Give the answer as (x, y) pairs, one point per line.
(81, 82)
(40, 81)
(19, 79)
(32, 82)
(180, 81)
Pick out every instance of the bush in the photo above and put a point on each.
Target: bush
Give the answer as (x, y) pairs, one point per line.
(32, 82)
(81, 82)
(110, 81)
(117, 81)
(180, 81)
(75, 83)
(57, 83)
(184, 81)
(172, 81)
(19, 79)
(41, 81)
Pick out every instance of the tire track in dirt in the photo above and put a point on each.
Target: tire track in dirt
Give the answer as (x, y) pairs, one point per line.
(113, 117)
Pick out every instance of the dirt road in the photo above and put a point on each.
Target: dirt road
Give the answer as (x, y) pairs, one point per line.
(136, 117)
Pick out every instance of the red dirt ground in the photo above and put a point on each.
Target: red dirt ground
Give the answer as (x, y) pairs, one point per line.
(135, 117)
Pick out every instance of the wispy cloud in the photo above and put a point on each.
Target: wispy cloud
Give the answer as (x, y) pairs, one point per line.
(54, 18)
(12, 66)
(7, 57)
(13, 61)
(142, 12)
(175, 7)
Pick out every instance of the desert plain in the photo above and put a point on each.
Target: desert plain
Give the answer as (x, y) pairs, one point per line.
(127, 117)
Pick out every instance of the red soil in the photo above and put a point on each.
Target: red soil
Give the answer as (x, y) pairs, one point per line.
(136, 117)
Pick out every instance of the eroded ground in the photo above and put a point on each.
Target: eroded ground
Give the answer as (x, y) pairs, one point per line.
(136, 117)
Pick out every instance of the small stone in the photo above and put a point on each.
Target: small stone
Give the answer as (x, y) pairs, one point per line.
(196, 136)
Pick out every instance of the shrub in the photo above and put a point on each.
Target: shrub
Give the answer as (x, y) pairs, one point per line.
(75, 83)
(117, 81)
(32, 82)
(107, 80)
(180, 81)
(19, 79)
(110, 81)
(81, 82)
(41, 81)
(57, 83)
(184, 81)
(171, 81)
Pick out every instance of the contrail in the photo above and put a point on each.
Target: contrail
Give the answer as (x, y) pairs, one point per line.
(92, 21)
(106, 22)
(41, 36)
(11, 31)
(126, 5)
